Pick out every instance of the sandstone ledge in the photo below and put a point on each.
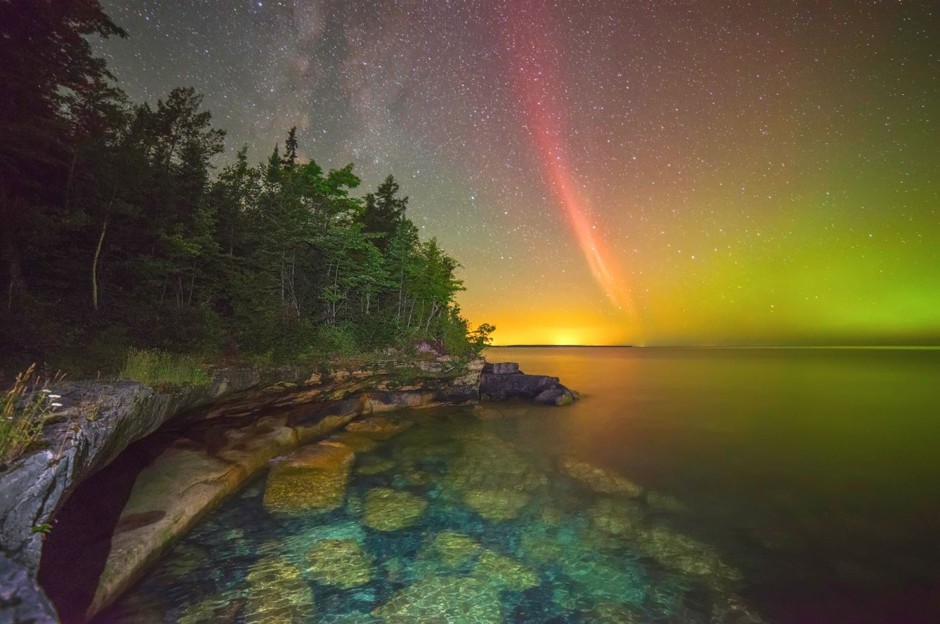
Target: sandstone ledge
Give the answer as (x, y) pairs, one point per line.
(102, 418)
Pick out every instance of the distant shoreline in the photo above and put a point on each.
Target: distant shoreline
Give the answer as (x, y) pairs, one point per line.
(729, 347)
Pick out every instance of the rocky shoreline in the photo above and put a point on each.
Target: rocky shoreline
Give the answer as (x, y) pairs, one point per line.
(187, 477)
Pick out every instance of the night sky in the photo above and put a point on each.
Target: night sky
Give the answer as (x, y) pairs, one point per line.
(607, 172)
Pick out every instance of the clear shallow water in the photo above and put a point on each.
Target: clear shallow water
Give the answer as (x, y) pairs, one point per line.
(800, 485)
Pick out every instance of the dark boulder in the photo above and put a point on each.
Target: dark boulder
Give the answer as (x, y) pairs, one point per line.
(503, 380)
(502, 368)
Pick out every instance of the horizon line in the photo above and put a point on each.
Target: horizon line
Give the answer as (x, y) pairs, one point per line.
(689, 346)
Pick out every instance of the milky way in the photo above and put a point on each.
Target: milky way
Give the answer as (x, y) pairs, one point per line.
(607, 172)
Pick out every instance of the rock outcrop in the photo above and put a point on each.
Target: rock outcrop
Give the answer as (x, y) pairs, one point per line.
(503, 380)
(226, 442)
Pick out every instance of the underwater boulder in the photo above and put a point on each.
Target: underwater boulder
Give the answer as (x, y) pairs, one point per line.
(504, 572)
(599, 479)
(311, 479)
(453, 549)
(379, 427)
(685, 554)
(440, 599)
(356, 441)
(390, 510)
(340, 563)
(496, 504)
(616, 517)
(493, 478)
(277, 593)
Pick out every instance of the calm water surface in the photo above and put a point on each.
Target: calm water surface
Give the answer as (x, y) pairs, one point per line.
(777, 486)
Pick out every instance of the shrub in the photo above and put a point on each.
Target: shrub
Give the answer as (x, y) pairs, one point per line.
(154, 367)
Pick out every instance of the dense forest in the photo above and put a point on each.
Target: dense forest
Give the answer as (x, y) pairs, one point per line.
(119, 228)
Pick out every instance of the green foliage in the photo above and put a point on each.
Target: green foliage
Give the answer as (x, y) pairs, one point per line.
(127, 236)
(336, 340)
(156, 368)
(24, 408)
(480, 337)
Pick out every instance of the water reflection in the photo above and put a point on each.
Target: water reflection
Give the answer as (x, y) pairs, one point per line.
(686, 487)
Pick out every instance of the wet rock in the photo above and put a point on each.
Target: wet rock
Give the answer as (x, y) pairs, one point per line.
(731, 609)
(600, 480)
(454, 549)
(615, 612)
(540, 546)
(558, 395)
(357, 442)
(375, 466)
(685, 554)
(616, 517)
(391, 510)
(604, 579)
(517, 386)
(300, 543)
(340, 563)
(501, 368)
(311, 479)
(665, 502)
(443, 599)
(503, 572)
(277, 593)
(493, 478)
(220, 608)
(496, 504)
(379, 427)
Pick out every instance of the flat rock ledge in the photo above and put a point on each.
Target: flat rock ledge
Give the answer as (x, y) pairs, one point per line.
(99, 420)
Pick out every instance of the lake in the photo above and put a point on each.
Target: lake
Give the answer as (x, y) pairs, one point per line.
(687, 485)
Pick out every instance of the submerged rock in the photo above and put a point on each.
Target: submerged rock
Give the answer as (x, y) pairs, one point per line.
(356, 441)
(390, 510)
(379, 427)
(616, 517)
(665, 502)
(600, 480)
(685, 554)
(496, 504)
(493, 478)
(558, 395)
(443, 599)
(340, 563)
(313, 478)
(604, 579)
(277, 593)
(504, 572)
(454, 549)
(375, 465)
(221, 608)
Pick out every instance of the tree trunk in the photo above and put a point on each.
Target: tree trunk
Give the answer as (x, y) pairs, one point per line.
(94, 265)
(94, 262)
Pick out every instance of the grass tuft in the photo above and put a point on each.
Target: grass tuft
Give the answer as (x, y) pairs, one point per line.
(24, 408)
(162, 368)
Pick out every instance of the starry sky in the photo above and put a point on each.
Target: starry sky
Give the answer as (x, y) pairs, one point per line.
(607, 172)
